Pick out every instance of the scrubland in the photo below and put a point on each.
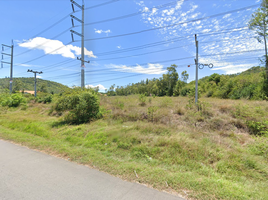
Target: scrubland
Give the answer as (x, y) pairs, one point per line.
(216, 150)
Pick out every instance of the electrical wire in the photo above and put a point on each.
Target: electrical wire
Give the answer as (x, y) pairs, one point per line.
(168, 41)
(131, 15)
(166, 49)
(171, 25)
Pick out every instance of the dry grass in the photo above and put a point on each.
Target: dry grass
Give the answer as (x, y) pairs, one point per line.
(169, 142)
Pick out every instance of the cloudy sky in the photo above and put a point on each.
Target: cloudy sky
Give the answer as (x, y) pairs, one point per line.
(128, 41)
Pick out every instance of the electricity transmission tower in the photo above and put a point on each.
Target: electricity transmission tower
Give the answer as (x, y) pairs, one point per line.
(35, 72)
(11, 62)
(82, 39)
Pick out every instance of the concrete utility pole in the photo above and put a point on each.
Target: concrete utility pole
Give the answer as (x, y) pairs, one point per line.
(265, 42)
(196, 73)
(35, 72)
(11, 63)
(82, 39)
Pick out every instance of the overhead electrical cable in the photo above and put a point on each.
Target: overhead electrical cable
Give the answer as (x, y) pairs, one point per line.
(171, 25)
(132, 14)
(168, 41)
(168, 49)
(42, 43)
(47, 53)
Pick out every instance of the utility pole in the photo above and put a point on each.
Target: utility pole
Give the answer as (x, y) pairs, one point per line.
(35, 72)
(82, 39)
(198, 66)
(11, 63)
(264, 35)
(196, 73)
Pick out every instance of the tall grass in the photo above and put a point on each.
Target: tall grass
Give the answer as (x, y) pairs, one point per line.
(204, 152)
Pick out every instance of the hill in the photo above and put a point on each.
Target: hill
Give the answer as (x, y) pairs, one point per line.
(28, 84)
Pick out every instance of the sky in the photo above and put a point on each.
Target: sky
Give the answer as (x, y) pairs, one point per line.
(127, 41)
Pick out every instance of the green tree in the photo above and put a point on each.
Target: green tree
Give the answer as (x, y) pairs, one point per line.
(171, 79)
(17, 86)
(258, 23)
(43, 88)
(184, 76)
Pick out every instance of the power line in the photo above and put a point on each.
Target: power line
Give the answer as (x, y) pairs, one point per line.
(132, 14)
(102, 4)
(46, 54)
(59, 21)
(171, 25)
(42, 43)
(169, 41)
(168, 49)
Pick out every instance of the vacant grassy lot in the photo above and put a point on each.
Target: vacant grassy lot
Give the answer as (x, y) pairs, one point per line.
(218, 151)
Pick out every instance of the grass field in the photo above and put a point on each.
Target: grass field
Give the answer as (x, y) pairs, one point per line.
(218, 151)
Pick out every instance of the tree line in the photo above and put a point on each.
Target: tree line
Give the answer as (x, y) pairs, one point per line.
(246, 85)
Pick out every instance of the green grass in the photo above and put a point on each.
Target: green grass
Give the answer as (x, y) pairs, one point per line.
(205, 154)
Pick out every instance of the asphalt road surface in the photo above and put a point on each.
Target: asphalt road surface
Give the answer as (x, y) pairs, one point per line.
(31, 175)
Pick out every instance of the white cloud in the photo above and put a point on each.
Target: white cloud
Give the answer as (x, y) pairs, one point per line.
(101, 87)
(38, 76)
(220, 44)
(151, 69)
(101, 31)
(233, 69)
(119, 47)
(55, 47)
(226, 16)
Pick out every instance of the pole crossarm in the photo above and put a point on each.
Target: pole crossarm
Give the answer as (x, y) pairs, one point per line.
(6, 54)
(74, 17)
(72, 31)
(73, 2)
(83, 60)
(5, 62)
(6, 46)
(35, 71)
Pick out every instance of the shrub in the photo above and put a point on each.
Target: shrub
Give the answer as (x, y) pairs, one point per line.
(165, 102)
(151, 113)
(45, 99)
(257, 128)
(142, 99)
(13, 100)
(81, 105)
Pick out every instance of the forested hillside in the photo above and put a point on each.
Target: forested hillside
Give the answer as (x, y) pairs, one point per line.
(28, 84)
(245, 85)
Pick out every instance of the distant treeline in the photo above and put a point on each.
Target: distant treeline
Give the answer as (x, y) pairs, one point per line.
(21, 84)
(246, 85)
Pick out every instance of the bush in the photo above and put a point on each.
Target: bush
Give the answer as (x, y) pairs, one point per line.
(142, 99)
(81, 105)
(47, 98)
(257, 128)
(13, 100)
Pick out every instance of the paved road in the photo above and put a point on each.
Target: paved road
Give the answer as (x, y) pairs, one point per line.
(31, 175)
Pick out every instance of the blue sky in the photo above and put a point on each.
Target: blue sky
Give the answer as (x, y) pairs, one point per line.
(128, 40)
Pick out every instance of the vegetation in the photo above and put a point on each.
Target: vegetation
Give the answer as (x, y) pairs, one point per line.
(82, 106)
(258, 23)
(246, 85)
(217, 150)
(21, 84)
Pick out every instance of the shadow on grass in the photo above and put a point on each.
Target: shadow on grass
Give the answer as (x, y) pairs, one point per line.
(58, 124)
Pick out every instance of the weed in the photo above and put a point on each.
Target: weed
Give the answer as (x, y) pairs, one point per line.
(257, 128)
(179, 111)
(142, 99)
(166, 102)
(151, 113)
